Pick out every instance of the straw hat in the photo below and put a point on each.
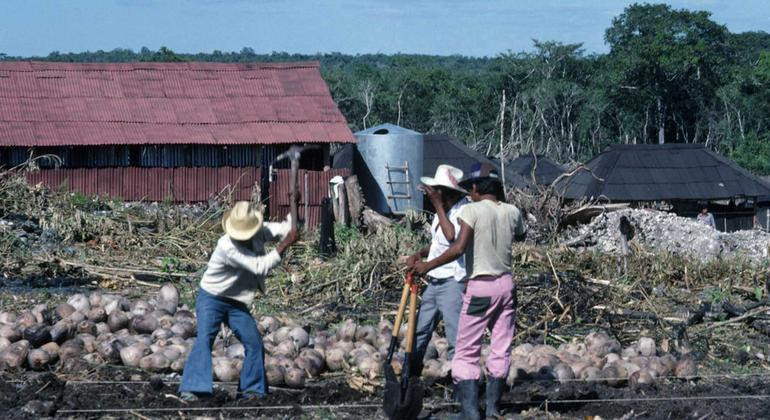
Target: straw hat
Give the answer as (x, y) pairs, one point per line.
(447, 176)
(242, 221)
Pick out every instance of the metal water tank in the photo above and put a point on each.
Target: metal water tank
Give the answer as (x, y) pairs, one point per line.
(388, 163)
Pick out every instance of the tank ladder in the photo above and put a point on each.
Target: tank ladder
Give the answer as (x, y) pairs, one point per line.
(398, 195)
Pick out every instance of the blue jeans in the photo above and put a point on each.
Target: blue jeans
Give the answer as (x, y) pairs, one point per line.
(443, 298)
(211, 311)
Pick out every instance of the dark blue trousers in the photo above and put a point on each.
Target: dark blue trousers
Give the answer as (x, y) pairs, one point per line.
(212, 311)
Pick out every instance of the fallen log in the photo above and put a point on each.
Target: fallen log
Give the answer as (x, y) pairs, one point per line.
(123, 270)
(738, 310)
(375, 221)
(746, 315)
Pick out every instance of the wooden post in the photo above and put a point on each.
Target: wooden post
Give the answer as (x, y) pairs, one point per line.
(327, 243)
(307, 200)
(344, 208)
(355, 199)
(335, 202)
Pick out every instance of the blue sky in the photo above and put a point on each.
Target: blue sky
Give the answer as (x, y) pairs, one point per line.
(467, 27)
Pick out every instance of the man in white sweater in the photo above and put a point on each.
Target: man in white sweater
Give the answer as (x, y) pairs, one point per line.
(236, 270)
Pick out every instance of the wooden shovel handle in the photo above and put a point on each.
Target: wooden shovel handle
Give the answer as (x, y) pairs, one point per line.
(412, 318)
(402, 305)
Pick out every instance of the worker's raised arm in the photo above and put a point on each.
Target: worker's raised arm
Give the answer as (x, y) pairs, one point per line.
(273, 231)
(259, 265)
(447, 228)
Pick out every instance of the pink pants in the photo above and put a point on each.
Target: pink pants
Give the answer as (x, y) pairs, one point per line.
(488, 302)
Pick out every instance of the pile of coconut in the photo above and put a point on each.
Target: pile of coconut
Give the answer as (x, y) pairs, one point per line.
(598, 358)
(156, 335)
(153, 334)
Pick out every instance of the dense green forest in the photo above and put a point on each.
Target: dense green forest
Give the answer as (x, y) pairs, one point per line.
(670, 76)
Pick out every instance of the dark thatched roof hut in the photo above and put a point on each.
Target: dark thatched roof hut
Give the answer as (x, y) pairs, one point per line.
(672, 172)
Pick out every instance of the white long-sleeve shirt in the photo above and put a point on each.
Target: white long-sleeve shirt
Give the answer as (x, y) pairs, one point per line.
(439, 243)
(236, 272)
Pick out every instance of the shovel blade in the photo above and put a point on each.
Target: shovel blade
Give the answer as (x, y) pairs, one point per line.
(401, 402)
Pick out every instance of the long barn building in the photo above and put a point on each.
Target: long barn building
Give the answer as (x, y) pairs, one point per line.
(186, 132)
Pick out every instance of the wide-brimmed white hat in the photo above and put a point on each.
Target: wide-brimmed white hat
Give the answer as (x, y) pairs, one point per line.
(447, 176)
(242, 221)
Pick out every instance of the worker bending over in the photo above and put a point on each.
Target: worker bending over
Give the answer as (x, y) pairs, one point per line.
(236, 270)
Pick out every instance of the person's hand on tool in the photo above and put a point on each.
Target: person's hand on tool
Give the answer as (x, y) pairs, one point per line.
(420, 268)
(288, 240)
(411, 260)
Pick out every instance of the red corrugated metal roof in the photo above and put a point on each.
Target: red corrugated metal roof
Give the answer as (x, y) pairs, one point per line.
(47, 104)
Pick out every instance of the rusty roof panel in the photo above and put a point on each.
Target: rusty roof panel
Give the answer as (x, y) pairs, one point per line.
(44, 103)
(60, 133)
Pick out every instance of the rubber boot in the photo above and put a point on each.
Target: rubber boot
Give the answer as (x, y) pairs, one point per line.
(467, 394)
(495, 387)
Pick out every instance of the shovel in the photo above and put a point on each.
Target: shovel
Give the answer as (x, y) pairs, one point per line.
(403, 396)
(399, 318)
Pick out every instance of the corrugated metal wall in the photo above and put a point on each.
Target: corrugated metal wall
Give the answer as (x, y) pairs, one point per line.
(148, 156)
(191, 185)
(152, 184)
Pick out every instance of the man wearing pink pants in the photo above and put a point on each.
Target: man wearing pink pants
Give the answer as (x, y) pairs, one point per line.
(488, 302)
(488, 228)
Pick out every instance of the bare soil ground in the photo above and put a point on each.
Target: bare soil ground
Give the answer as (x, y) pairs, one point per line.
(135, 394)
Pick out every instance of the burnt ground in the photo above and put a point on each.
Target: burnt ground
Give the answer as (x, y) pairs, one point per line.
(136, 394)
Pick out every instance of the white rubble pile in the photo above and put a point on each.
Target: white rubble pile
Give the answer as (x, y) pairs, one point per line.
(661, 232)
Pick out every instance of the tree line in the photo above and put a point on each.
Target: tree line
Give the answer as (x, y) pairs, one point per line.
(671, 76)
